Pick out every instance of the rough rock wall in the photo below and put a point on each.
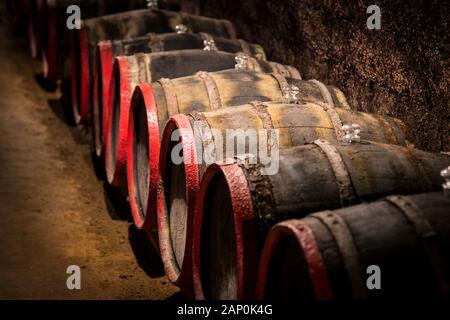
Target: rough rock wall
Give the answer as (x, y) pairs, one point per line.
(401, 70)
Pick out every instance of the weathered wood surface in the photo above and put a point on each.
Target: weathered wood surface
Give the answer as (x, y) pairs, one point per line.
(126, 25)
(313, 177)
(406, 237)
(178, 41)
(237, 87)
(108, 50)
(297, 124)
(132, 70)
(152, 101)
(53, 37)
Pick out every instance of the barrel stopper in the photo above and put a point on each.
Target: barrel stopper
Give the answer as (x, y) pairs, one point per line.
(290, 94)
(210, 45)
(446, 185)
(181, 28)
(241, 61)
(351, 133)
(152, 4)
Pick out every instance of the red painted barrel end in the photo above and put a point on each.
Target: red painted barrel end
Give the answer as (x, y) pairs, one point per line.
(225, 230)
(103, 65)
(143, 157)
(179, 179)
(79, 74)
(117, 132)
(290, 253)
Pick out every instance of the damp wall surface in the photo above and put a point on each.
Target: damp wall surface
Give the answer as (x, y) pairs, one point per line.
(401, 70)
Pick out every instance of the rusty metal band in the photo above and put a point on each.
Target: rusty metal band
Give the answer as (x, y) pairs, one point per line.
(211, 88)
(230, 29)
(428, 184)
(148, 69)
(260, 54)
(261, 110)
(333, 96)
(279, 69)
(266, 119)
(201, 126)
(253, 64)
(285, 70)
(156, 44)
(404, 132)
(282, 82)
(389, 132)
(119, 47)
(245, 47)
(143, 72)
(206, 36)
(325, 93)
(260, 189)
(343, 179)
(336, 122)
(348, 251)
(134, 70)
(294, 73)
(399, 130)
(340, 97)
(170, 95)
(427, 234)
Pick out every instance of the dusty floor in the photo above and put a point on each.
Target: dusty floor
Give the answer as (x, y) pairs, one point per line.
(54, 212)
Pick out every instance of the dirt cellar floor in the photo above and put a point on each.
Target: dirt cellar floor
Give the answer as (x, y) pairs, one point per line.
(54, 211)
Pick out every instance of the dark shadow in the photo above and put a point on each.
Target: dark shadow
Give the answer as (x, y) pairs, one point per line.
(62, 107)
(116, 203)
(145, 252)
(177, 297)
(47, 85)
(57, 106)
(99, 166)
(80, 134)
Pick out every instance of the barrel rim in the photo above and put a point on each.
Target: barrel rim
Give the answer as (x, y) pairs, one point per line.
(144, 91)
(103, 65)
(115, 162)
(304, 236)
(179, 276)
(245, 226)
(80, 75)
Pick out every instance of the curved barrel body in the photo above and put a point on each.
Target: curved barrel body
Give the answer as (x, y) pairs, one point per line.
(238, 204)
(125, 26)
(332, 254)
(207, 137)
(108, 50)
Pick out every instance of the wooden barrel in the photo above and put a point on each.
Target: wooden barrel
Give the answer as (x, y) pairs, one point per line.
(130, 71)
(188, 94)
(149, 106)
(327, 254)
(123, 26)
(54, 35)
(201, 138)
(108, 50)
(237, 204)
